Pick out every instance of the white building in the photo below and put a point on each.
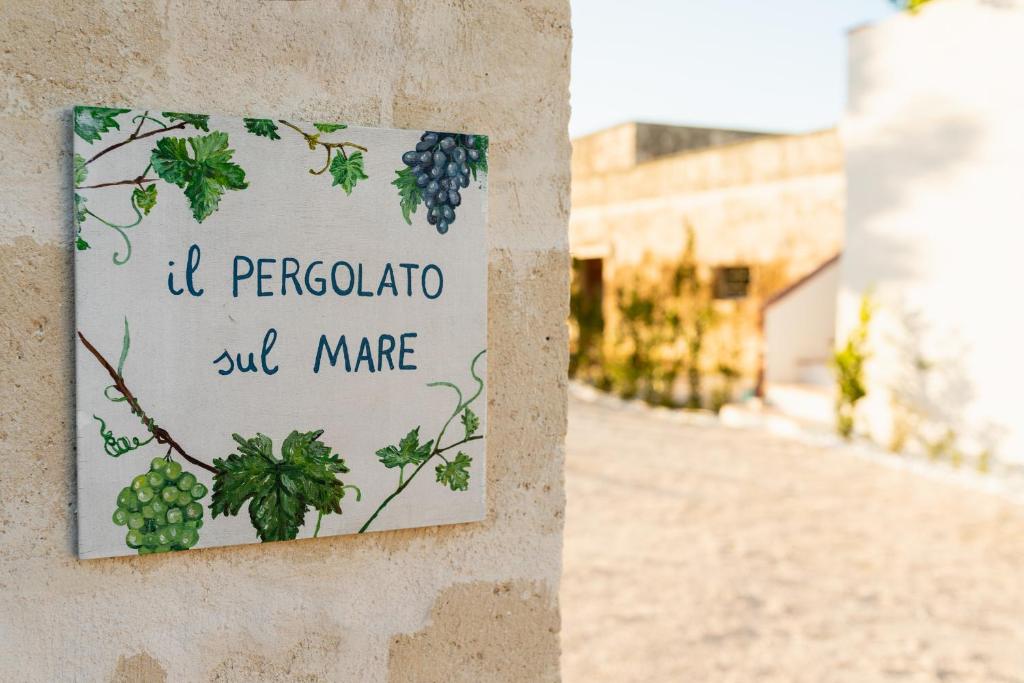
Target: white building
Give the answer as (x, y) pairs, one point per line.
(934, 144)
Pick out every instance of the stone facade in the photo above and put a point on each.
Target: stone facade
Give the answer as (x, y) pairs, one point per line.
(770, 203)
(460, 603)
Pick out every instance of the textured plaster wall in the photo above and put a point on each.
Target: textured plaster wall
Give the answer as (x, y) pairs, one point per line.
(933, 223)
(474, 602)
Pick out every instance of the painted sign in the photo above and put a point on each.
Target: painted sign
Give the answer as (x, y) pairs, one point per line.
(281, 329)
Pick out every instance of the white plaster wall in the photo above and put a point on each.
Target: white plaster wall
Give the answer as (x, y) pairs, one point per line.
(934, 136)
(799, 329)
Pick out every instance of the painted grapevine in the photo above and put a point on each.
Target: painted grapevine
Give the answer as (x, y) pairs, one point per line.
(437, 170)
(162, 508)
(345, 167)
(281, 483)
(409, 453)
(200, 164)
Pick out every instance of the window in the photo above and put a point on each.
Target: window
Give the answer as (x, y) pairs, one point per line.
(732, 282)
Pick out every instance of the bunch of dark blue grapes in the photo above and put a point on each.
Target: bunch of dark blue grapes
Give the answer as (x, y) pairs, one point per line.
(440, 165)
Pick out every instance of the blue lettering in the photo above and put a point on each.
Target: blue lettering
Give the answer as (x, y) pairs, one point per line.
(261, 276)
(332, 356)
(387, 280)
(402, 351)
(440, 281)
(293, 276)
(408, 267)
(236, 277)
(190, 268)
(321, 282)
(334, 278)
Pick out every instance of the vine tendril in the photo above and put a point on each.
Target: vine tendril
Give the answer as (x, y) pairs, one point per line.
(125, 343)
(438, 449)
(116, 446)
(146, 117)
(120, 229)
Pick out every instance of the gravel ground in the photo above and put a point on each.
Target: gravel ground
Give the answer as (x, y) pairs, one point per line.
(703, 553)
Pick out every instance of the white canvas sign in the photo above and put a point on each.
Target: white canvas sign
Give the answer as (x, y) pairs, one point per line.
(281, 329)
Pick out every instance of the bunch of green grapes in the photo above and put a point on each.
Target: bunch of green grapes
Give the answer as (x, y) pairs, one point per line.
(161, 509)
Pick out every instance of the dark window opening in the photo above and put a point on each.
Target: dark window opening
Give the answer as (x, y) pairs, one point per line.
(586, 310)
(732, 282)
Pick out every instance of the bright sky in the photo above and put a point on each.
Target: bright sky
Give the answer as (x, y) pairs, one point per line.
(773, 66)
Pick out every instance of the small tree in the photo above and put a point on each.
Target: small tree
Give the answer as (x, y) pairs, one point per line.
(848, 362)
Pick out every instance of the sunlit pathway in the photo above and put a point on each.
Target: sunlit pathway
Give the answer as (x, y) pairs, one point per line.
(709, 554)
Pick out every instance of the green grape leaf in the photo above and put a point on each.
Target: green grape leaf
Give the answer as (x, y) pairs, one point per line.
(329, 127)
(204, 175)
(455, 473)
(92, 122)
(348, 171)
(408, 191)
(200, 121)
(470, 421)
(80, 210)
(145, 198)
(265, 128)
(81, 172)
(80, 214)
(279, 490)
(409, 451)
(480, 164)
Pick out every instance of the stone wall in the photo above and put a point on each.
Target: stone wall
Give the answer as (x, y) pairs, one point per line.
(628, 144)
(460, 603)
(773, 203)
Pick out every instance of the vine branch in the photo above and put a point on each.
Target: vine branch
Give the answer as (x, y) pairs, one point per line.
(159, 433)
(313, 139)
(405, 484)
(438, 449)
(131, 181)
(133, 137)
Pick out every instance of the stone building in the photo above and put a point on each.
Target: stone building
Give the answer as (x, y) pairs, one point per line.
(759, 211)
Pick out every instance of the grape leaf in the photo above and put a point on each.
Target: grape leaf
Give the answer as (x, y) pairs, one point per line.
(200, 121)
(470, 421)
(80, 214)
(348, 171)
(90, 122)
(329, 127)
(204, 175)
(80, 210)
(145, 198)
(80, 172)
(455, 473)
(263, 127)
(408, 191)
(409, 451)
(279, 491)
(480, 164)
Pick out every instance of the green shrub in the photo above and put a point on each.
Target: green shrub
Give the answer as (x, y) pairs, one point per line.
(848, 363)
